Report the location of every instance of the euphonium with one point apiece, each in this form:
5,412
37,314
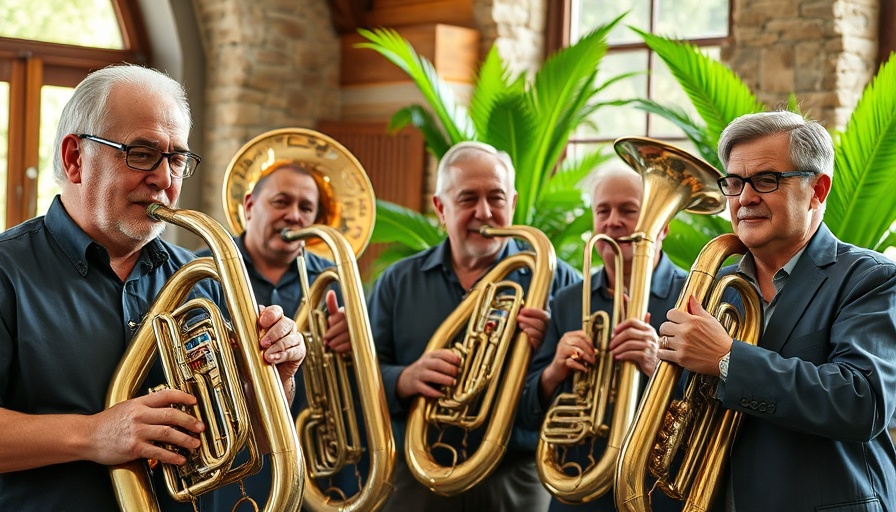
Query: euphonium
494,361
196,350
576,418
693,425
673,180
329,426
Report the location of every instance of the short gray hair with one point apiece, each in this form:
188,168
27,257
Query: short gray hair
467,150
86,111
811,147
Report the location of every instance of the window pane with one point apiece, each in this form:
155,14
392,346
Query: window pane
666,91
693,19
4,145
83,23
612,122
52,99
590,14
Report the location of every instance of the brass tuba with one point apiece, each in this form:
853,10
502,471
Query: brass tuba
693,430
195,347
673,180
494,362
329,426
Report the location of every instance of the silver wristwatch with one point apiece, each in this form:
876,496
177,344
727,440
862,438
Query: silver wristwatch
723,366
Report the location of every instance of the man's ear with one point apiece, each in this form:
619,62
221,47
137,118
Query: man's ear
71,158
248,201
440,208
820,190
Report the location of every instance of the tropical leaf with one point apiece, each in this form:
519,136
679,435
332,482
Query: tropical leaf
560,90
397,224
688,233
860,207
437,93
416,115
697,134
717,93
492,84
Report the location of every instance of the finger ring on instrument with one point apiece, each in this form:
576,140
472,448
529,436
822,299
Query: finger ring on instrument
664,342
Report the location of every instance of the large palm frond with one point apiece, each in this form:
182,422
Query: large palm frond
437,93
860,208
717,93
560,91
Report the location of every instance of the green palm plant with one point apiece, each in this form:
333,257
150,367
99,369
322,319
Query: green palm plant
859,210
531,121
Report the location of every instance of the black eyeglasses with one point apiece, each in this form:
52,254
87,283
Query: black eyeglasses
144,158
762,182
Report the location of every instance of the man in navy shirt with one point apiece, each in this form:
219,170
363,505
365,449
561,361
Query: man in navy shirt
616,206
475,187
285,196
75,286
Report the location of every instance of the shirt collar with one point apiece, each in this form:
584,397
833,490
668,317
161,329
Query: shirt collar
747,268
78,247
660,281
440,256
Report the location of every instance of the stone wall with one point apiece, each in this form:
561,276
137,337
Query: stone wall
824,51
516,27
269,64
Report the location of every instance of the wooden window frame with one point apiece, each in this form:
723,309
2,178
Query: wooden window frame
29,65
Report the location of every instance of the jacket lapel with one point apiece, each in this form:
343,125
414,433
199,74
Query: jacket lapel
808,276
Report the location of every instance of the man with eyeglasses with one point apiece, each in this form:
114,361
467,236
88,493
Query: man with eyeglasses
819,390
75,286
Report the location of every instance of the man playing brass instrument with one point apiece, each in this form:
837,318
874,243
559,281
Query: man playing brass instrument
818,391
286,196
475,187
74,287
616,206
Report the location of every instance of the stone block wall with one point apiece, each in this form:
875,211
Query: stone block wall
516,27
824,51
269,64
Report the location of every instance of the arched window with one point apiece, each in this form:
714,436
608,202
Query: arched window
46,48
703,23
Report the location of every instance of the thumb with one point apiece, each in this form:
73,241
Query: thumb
332,305
694,307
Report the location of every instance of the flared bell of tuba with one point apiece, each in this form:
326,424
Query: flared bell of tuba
673,180
197,353
330,427
494,361
692,434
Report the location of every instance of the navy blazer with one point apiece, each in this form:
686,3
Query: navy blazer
818,392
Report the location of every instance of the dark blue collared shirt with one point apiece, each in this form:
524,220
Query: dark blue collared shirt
410,301
65,321
287,293
566,307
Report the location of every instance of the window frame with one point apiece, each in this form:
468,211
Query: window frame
557,36
29,65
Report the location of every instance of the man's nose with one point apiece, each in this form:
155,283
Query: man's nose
160,177
483,209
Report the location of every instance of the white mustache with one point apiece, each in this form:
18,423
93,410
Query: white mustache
751,212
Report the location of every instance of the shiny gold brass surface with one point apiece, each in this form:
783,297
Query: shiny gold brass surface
346,195
198,359
695,425
329,425
673,180
577,418
494,361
